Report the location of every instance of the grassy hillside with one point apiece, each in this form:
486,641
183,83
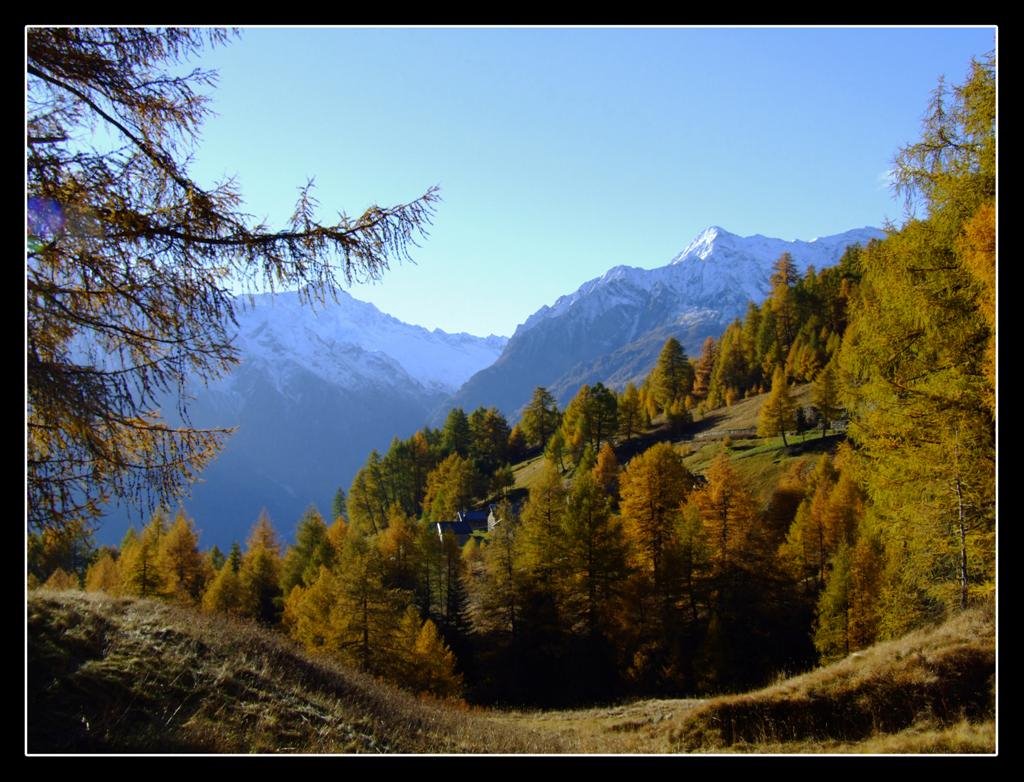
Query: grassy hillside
932,691
127,675
759,460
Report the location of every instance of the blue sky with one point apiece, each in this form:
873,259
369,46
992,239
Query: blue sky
563,152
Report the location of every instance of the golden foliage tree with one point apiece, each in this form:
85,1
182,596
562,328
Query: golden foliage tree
652,487
450,488
260,572
916,378
130,264
139,564
778,411
103,575
181,564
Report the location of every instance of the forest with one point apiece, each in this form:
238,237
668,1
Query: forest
616,570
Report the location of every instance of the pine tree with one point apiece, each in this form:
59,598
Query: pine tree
778,410
540,417
127,258
672,376
339,505
312,549
455,435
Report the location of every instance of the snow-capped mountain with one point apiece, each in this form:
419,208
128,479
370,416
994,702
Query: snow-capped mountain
349,342
613,326
317,388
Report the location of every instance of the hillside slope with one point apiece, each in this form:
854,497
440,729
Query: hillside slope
127,675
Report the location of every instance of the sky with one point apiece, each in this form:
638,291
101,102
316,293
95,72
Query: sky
561,152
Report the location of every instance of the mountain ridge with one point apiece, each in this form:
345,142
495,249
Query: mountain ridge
695,295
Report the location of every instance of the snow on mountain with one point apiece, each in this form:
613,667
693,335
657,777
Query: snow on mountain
351,342
714,265
612,326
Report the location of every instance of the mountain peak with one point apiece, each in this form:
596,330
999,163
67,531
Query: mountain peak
704,243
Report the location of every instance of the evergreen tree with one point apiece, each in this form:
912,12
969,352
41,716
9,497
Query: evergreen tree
339,506
455,435
672,376
540,417
301,563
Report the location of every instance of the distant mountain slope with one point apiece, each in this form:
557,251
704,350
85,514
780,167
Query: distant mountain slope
316,390
613,326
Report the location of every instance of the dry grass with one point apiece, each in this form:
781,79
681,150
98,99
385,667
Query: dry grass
929,691
125,675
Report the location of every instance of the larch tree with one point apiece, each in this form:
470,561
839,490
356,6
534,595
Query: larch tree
260,572
778,411
652,488
705,368
592,556
103,575
541,522
180,562
825,397
131,265
450,488
606,472
140,558
631,412
915,375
